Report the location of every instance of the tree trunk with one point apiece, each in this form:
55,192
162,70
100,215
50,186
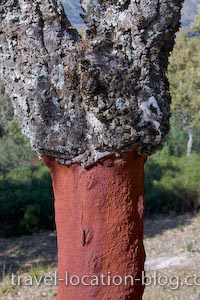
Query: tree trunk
80,99
99,219
190,141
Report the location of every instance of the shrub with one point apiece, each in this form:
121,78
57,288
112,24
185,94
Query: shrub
26,201
172,183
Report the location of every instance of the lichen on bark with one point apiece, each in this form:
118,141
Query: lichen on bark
80,98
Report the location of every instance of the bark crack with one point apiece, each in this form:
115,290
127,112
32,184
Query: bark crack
111,248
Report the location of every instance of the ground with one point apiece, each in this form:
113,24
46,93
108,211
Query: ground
173,250
173,258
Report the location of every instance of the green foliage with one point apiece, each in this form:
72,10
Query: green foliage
184,77
37,270
176,141
26,201
26,198
172,183
6,287
14,148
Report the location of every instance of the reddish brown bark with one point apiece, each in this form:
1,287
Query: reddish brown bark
99,219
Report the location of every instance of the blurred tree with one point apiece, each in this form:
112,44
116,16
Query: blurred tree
176,141
184,77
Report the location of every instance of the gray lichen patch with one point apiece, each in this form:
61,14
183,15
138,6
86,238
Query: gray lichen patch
79,99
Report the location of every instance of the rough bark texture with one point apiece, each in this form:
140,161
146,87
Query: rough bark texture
99,219
81,98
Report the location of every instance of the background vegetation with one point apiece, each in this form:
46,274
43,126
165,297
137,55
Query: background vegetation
172,175
26,201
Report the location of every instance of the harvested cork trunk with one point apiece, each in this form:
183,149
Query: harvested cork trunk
99,220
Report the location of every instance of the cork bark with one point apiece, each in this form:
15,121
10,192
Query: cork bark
81,98
99,220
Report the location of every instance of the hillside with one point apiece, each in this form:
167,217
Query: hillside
73,10
189,11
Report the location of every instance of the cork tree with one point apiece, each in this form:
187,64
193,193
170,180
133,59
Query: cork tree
94,107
